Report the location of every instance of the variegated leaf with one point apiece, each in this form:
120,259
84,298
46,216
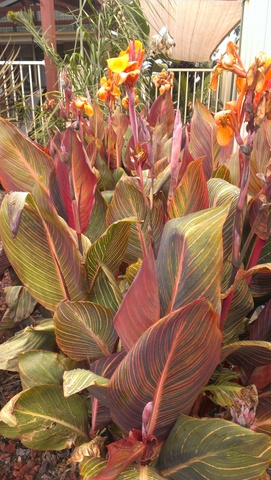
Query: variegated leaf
208,448
156,369
187,268
84,330
43,419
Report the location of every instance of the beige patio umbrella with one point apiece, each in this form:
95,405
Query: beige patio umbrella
197,26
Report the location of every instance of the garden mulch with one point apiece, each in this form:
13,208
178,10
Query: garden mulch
17,461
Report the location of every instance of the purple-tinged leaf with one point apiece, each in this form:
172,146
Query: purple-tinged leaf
263,420
260,329
186,347
191,194
175,155
140,307
260,377
105,367
203,141
162,111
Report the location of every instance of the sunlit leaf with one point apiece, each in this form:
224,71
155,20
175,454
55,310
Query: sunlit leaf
84,330
247,353
22,163
172,382
43,419
201,448
41,249
106,291
220,193
92,466
128,202
109,248
39,367
76,380
187,268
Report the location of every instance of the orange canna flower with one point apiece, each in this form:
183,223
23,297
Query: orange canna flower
163,81
108,92
82,104
230,61
224,127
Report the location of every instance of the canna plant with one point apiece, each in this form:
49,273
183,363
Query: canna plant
144,246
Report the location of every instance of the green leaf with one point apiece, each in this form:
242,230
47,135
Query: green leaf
222,393
39,367
191,194
84,330
41,249
22,163
172,383
216,449
91,466
97,224
128,202
187,268
76,380
109,248
31,338
140,307
241,304
20,303
106,291
44,420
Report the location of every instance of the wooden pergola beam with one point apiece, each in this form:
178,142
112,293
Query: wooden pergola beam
47,13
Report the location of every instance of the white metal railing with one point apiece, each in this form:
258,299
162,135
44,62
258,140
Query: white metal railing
23,85
191,84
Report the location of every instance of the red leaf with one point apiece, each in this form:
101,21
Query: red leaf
121,454
140,307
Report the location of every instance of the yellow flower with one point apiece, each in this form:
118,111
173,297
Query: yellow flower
126,67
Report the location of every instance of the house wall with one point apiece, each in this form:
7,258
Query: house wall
256,30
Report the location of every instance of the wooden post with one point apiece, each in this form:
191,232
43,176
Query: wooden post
47,14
